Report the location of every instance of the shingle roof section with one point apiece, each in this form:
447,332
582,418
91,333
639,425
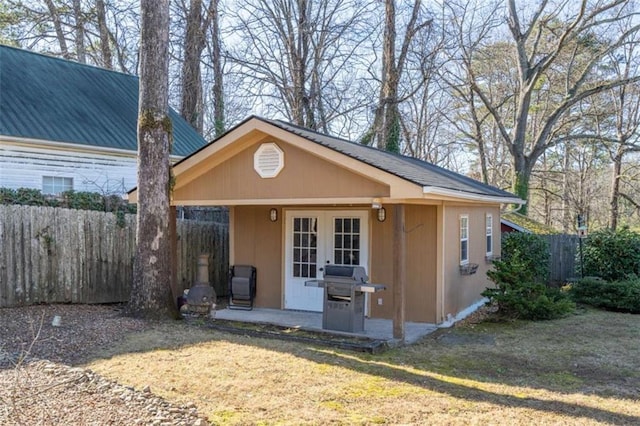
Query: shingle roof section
411,169
47,98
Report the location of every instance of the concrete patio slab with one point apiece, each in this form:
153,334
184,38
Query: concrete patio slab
379,329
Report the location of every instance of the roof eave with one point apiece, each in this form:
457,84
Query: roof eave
445,192
44,143
514,226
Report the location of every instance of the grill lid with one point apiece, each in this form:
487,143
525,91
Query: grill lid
346,272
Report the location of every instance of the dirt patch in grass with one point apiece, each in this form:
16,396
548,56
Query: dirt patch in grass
578,370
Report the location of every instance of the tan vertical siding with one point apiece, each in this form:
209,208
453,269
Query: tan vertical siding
258,242
461,291
420,226
303,176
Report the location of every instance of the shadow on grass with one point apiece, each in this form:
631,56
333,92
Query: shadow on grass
443,384
425,365
411,366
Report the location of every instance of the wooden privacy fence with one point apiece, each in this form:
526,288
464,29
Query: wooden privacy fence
53,255
564,252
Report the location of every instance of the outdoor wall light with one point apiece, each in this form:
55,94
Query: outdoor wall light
273,215
382,214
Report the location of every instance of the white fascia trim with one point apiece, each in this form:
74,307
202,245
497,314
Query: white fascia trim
43,143
433,190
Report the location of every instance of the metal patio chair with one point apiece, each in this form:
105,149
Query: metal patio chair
242,287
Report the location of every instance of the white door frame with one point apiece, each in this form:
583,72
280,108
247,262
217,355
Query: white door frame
295,294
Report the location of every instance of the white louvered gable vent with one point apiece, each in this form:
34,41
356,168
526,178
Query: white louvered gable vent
268,160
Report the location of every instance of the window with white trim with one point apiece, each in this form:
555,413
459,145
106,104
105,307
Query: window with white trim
489,233
55,185
464,239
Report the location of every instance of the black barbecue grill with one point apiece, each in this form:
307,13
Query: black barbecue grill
344,297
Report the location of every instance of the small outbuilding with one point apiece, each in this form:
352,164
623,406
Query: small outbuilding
299,200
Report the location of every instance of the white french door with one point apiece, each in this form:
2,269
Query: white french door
315,238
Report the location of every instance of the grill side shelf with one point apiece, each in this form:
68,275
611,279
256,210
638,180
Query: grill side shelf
314,283
371,288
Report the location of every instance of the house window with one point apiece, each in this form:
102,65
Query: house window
489,233
55,185
464,240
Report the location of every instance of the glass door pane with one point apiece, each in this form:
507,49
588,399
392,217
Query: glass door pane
346,241
305,247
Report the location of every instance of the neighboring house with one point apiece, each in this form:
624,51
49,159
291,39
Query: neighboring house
516,222
65,125
299,200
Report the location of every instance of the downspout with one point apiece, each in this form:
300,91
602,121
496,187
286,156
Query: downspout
516,210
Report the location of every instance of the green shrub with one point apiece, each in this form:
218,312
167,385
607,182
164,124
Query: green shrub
610,255
82,200
529,252
24,197
521,291
622,296
517,297
68,199
6,196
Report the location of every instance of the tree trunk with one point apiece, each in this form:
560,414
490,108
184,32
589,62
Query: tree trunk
79,18
302,114
522,169
151,291
386,124
105,38
482,155
194,43
615,190
386,113
566,191
216,57
57,25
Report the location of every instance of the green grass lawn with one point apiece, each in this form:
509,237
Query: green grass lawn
579,370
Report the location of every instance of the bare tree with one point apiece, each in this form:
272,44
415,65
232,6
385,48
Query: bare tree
298,58
78,14
424,105
385,132
57,25
197,26
151,294
87,31
468,26
624,139
216,61
104,34
557,51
